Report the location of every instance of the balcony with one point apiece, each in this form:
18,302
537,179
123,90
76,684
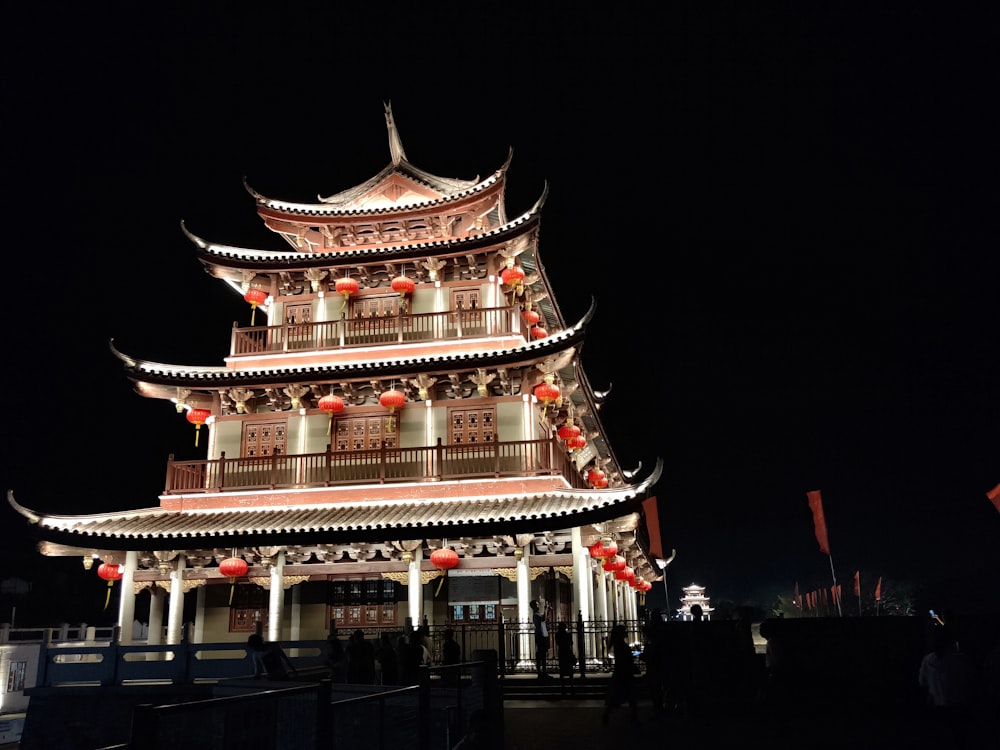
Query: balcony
359,332
519,458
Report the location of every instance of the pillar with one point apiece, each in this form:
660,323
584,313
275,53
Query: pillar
175,615
276,602
581,576
414,586
126,605
199,614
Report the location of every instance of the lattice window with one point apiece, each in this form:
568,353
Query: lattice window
15,676
472,426
264,438
365,433
375,306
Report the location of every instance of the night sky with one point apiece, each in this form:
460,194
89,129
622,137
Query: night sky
785,216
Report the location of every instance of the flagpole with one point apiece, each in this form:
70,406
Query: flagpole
840,612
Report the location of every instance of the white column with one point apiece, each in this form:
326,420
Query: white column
277,599
523,597
581,576
156,596
199,614
414,588
126,605
154,636
295,616
175,615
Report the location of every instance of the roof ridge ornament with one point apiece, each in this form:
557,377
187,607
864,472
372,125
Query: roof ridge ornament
395,143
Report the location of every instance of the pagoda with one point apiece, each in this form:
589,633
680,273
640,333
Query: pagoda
695,594
402,434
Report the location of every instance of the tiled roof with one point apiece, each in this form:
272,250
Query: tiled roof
215,376
227,255
375,520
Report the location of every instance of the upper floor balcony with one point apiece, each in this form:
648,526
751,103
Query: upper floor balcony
502,324
544,457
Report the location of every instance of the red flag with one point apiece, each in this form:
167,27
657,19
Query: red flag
835,594
819,521
878,589
994,496
857,583
652,512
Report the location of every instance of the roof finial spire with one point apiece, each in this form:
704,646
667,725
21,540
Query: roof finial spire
395,144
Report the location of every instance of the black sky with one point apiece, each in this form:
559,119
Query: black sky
785,217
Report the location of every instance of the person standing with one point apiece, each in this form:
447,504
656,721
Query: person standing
622,687
269,660
541,632
566,657
360,659
451,656
388,660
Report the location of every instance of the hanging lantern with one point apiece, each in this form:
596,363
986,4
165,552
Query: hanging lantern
603,549
233,568
443,559
110,573
198,417
576,443
403,285
538,332
512,276
625,574
595,477
531,317
569,430
392,400
255,297
547,392
614,564
331,404
346,286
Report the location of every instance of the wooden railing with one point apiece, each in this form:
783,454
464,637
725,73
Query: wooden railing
398,329
519,458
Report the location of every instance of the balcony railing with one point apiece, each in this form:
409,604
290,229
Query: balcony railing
518,458
398,329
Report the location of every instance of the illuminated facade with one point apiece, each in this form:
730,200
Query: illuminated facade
407,384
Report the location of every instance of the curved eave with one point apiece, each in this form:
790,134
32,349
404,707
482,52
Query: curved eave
227,257
451,190
160,373
370,521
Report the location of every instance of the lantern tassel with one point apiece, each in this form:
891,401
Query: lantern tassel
107,597
197,431
440,583
253,313
232,588
329,424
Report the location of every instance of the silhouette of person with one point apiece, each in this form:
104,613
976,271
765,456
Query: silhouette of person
541,632
269,660
388,660
360,659
336,656
622,687
567,659
654,656
947,681
451,654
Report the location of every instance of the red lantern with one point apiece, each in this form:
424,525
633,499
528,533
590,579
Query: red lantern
569,430
539,333
614,564
403,285
255,297
198,417
331,404
576,443
547,393
531,317
346,286
512,276
110,573
443,559
601,484
233,568
625,574
595,476
392,400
